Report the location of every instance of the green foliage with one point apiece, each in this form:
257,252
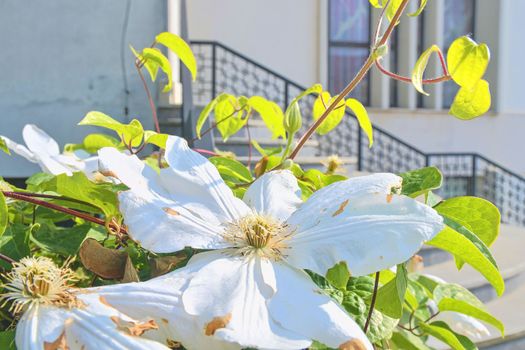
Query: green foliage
362,117
391,296
293,120
440,331
321,104
7,340
419,68
271,114
459,245
3,146
467,63
422,5
130,134
471,102
230,168
421,181
178,46
14,243
338,275
155,59
3,214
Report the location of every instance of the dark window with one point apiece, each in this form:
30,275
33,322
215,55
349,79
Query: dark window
459,21
348,45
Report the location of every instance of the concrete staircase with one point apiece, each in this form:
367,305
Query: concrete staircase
510,307
171,122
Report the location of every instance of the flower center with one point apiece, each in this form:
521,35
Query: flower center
257,233
38,280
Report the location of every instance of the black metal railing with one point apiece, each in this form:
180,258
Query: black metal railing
222,69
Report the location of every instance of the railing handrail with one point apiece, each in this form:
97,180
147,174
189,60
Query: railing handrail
413,148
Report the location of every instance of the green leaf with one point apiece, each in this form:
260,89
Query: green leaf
7,340
471,102
377,3
152,137
3,214
271,114
15,243
448,304
178,46
407,341
419,68
445,335
422,4
205,113
472,216
293,119
392,8
129,133
333,119
466,342
461,246
314,89
467,61
152,66
231,167
152,54
362,117
78,186
65,241
420,181
338,275
230,116
93,142
391,296
3,146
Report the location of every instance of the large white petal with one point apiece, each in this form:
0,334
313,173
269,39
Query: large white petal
275,193
38,141
229,296
52,165
19,149
194,181
39,325
160,299
299,305
93,326
329,199
371,233
154,219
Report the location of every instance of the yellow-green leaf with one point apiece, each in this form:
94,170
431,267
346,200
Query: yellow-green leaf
459,245
181,49
471,102
161,61
422,4
419,68
392,8
362,117
377,3
448,304
129,133
322,102
3,213
467,61
151,66
3,146
155,138
271,114
228,118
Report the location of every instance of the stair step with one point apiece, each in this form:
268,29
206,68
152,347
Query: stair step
508,252
510,309
305,160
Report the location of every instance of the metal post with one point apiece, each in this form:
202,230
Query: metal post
213,71
474,174
359,149
286,97
427,160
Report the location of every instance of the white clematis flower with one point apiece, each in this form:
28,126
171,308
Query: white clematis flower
44,150
253,291
58,317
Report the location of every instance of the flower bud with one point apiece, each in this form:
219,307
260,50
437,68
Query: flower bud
293,119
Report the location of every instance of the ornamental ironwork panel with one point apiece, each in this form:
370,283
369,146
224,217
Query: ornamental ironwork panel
221,69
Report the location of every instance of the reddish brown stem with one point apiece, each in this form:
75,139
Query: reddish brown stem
350,87
150,99
62,209
7,259
407,79
372,303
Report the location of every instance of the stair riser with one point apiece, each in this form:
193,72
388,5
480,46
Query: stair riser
243,149
487,293
433,256
515,343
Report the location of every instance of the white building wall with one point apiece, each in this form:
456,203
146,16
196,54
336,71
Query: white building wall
61,59
281,34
